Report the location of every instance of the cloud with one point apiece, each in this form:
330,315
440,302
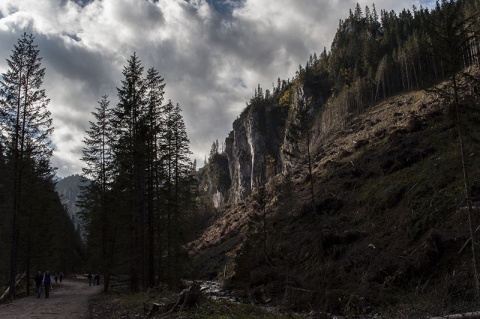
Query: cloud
211,53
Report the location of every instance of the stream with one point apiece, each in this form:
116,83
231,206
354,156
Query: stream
215,291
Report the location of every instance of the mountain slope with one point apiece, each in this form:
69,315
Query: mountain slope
390,219
344,189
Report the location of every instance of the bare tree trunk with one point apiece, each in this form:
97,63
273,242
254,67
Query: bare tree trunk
466,185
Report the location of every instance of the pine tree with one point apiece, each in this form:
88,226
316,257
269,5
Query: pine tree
5,208
130,151
176,164
299,136
155,92
26,122
99,172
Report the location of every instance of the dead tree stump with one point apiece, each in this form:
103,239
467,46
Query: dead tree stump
187,299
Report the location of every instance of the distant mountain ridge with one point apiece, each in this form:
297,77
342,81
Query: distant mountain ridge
68,189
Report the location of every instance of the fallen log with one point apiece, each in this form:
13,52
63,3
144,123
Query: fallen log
5,294
17,282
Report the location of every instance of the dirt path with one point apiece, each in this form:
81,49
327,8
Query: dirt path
68,299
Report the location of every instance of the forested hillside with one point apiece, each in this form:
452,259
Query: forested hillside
373,56
352,186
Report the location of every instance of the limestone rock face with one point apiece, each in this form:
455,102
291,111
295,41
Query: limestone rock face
254,149
245,149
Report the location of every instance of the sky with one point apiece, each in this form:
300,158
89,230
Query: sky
212,55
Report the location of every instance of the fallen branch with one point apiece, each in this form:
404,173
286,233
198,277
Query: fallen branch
465,245
302,289
468,241
467,315
17,282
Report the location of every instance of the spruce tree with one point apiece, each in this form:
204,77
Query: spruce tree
99,172
26,123
155,91
176,165
299,135
130,151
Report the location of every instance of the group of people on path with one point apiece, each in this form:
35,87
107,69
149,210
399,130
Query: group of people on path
45,280
93,280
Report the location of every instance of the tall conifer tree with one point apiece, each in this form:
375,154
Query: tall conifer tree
175,162
99,172
155,92
27,123
130,152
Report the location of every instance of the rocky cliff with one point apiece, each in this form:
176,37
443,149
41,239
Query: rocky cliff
68,189
252,148
256,149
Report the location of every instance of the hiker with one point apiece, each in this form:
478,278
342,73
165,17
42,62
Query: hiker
61,276
38,283
89,278
47,282
56,277
97,278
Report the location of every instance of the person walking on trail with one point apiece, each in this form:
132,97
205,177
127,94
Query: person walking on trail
90,278
56,277
47,282
97,278
61,276
38,283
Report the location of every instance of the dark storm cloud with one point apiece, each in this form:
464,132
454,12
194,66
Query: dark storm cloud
75,79
78,63
81,3
226,6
